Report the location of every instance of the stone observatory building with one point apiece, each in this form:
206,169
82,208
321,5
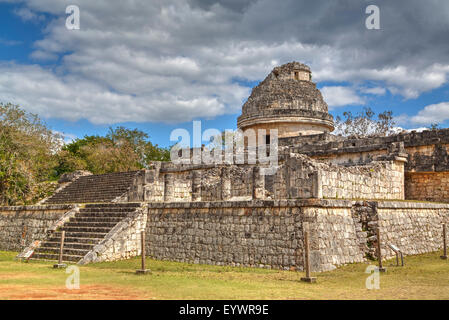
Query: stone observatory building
289,101
341,190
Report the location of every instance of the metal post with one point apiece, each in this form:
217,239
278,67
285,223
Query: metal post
61,249
379,252
307,278
144,270
444,256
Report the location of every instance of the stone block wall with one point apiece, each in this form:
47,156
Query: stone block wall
413,227
20,226
122,242
378,180
334,240
296,177
270,234
266,234
427,186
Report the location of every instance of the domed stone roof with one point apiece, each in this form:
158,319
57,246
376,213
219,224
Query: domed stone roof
288,100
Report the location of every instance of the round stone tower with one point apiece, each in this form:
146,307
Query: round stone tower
289,101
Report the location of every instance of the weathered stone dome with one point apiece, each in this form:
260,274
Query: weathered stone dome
289,101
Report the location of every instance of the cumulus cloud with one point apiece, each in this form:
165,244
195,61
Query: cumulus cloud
9,43
27,15
431,114
378,91
339,96
434,113
177,60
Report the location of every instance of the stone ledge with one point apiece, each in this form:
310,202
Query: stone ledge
39,208
386,204
253,204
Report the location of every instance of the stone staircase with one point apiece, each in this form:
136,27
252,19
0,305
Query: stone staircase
94,188
83,231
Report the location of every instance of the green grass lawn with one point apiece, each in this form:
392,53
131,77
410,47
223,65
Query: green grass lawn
423,277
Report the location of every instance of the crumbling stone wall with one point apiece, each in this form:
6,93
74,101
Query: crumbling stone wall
270,234
427,151
20,226
379,180
296,176
334,239
266,234
427,186
414,227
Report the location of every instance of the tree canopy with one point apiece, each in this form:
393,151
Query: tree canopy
31,154
364,124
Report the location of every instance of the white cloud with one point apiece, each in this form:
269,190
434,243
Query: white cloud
339,96
27,15
402,80
434,113
66,137
378,91
177,60
9,43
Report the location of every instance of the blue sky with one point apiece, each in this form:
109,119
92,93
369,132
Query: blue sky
156,67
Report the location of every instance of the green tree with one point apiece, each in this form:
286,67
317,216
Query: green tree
364,124
27,154
121,149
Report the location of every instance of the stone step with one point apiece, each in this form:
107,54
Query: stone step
86,229
103,191
106,210
73,245
80,234
85,196
102,215
85,240
95,188
112,205
90,219
77,224
65,251
76,229
52,257
88,195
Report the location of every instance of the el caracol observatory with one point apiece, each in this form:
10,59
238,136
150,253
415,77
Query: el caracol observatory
289,101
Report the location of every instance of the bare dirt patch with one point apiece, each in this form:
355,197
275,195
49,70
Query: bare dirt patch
86,292
15,276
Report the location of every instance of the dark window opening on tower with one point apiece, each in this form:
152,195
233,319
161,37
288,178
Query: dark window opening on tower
267,142
296,75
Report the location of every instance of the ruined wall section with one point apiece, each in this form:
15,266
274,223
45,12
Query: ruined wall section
427,186
427,151
265,234
296,176
334,238
21,226
414,227
379,180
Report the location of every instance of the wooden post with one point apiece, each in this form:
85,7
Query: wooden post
144,270
307,278
379,252
61,249
444,256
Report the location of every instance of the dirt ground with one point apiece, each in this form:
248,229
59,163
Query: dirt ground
86,292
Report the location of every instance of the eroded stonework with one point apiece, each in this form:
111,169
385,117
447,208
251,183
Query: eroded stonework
289,101
340,190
